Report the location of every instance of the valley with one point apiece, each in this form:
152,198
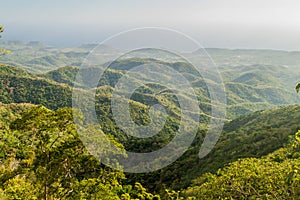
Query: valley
41,150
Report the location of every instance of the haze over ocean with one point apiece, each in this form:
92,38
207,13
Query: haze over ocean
214,23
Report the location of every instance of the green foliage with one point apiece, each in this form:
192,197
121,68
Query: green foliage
64,75
138,192
45,159
3,51
18,86
252,135
254,178
19,188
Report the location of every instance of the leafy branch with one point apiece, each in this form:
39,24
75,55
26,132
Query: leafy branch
297,87
3,51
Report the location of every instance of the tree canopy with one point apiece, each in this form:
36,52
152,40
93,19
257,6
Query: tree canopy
3,51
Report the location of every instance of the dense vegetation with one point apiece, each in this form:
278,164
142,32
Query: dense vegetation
245,93
253,135
18,86
275,176
42,157
255,79
3,51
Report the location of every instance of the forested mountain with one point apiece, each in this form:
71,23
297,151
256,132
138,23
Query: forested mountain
42,156
37,57
253,88
254,79
275,176
30,134
252,135
18,86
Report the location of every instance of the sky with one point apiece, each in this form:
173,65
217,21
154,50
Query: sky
255,24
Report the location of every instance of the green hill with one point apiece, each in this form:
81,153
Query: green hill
255,79
250,136
64,75
248,87
275,176
246,93
18,86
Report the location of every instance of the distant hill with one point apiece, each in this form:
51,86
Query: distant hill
64,75
18,86
233,57
255,79
37,57
257,88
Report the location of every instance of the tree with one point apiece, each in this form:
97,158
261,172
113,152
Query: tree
1,29
3,51
44,158
297,87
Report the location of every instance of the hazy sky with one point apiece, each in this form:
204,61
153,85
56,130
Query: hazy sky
272,24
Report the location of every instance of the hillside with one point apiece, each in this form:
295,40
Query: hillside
249,87
256,89
18,86
37,57
275,176
267,77
64,75
250,136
